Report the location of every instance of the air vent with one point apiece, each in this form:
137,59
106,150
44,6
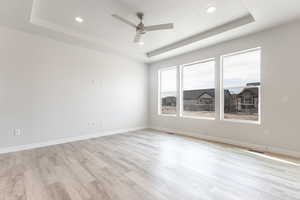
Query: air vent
255,151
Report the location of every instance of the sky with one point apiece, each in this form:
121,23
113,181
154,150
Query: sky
199,76
238,71
241,69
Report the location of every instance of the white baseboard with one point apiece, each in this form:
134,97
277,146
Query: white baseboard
281,151
257,147
66,140
261,148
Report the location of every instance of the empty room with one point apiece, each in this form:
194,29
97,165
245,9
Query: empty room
149,100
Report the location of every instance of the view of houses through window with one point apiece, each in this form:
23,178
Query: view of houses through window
240,85
199,89
168,91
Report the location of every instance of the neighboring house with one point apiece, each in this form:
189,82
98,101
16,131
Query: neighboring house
169,101
204,100
247,100
199,100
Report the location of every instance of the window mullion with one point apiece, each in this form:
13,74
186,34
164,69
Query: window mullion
218,88
179,99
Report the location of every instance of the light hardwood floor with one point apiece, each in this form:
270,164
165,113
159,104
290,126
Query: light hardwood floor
145,165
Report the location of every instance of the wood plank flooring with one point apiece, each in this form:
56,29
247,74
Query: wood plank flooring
144,165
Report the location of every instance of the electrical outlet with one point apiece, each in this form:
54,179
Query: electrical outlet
17,132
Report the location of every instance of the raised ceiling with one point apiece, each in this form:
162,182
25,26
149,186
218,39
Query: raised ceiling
100,31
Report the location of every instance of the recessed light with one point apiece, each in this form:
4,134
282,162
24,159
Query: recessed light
211,9
79,19
141,43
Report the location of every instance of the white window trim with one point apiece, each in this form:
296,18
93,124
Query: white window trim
159,92
240,52
222,89
219,90
181,115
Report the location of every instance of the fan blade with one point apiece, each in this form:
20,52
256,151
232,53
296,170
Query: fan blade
138,38
159,27
124,20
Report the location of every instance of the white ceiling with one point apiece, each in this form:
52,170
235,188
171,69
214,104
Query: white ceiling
100,31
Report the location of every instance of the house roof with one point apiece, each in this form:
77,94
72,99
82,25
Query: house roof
196,94
170,97
253,91
253,84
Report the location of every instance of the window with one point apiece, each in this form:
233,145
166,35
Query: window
195,83
198,89
168,91
241,85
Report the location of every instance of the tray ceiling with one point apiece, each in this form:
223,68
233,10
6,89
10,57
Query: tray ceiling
100,31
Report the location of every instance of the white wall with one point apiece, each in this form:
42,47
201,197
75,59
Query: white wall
51,90
279,130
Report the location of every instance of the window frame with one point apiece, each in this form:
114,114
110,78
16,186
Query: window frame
219,89
159,91
222,118
181,102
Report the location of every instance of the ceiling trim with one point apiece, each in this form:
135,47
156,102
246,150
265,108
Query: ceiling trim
203,35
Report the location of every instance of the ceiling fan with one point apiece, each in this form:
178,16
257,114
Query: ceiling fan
141,29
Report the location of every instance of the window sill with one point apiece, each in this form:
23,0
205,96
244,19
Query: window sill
242,121
166,115
203,118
